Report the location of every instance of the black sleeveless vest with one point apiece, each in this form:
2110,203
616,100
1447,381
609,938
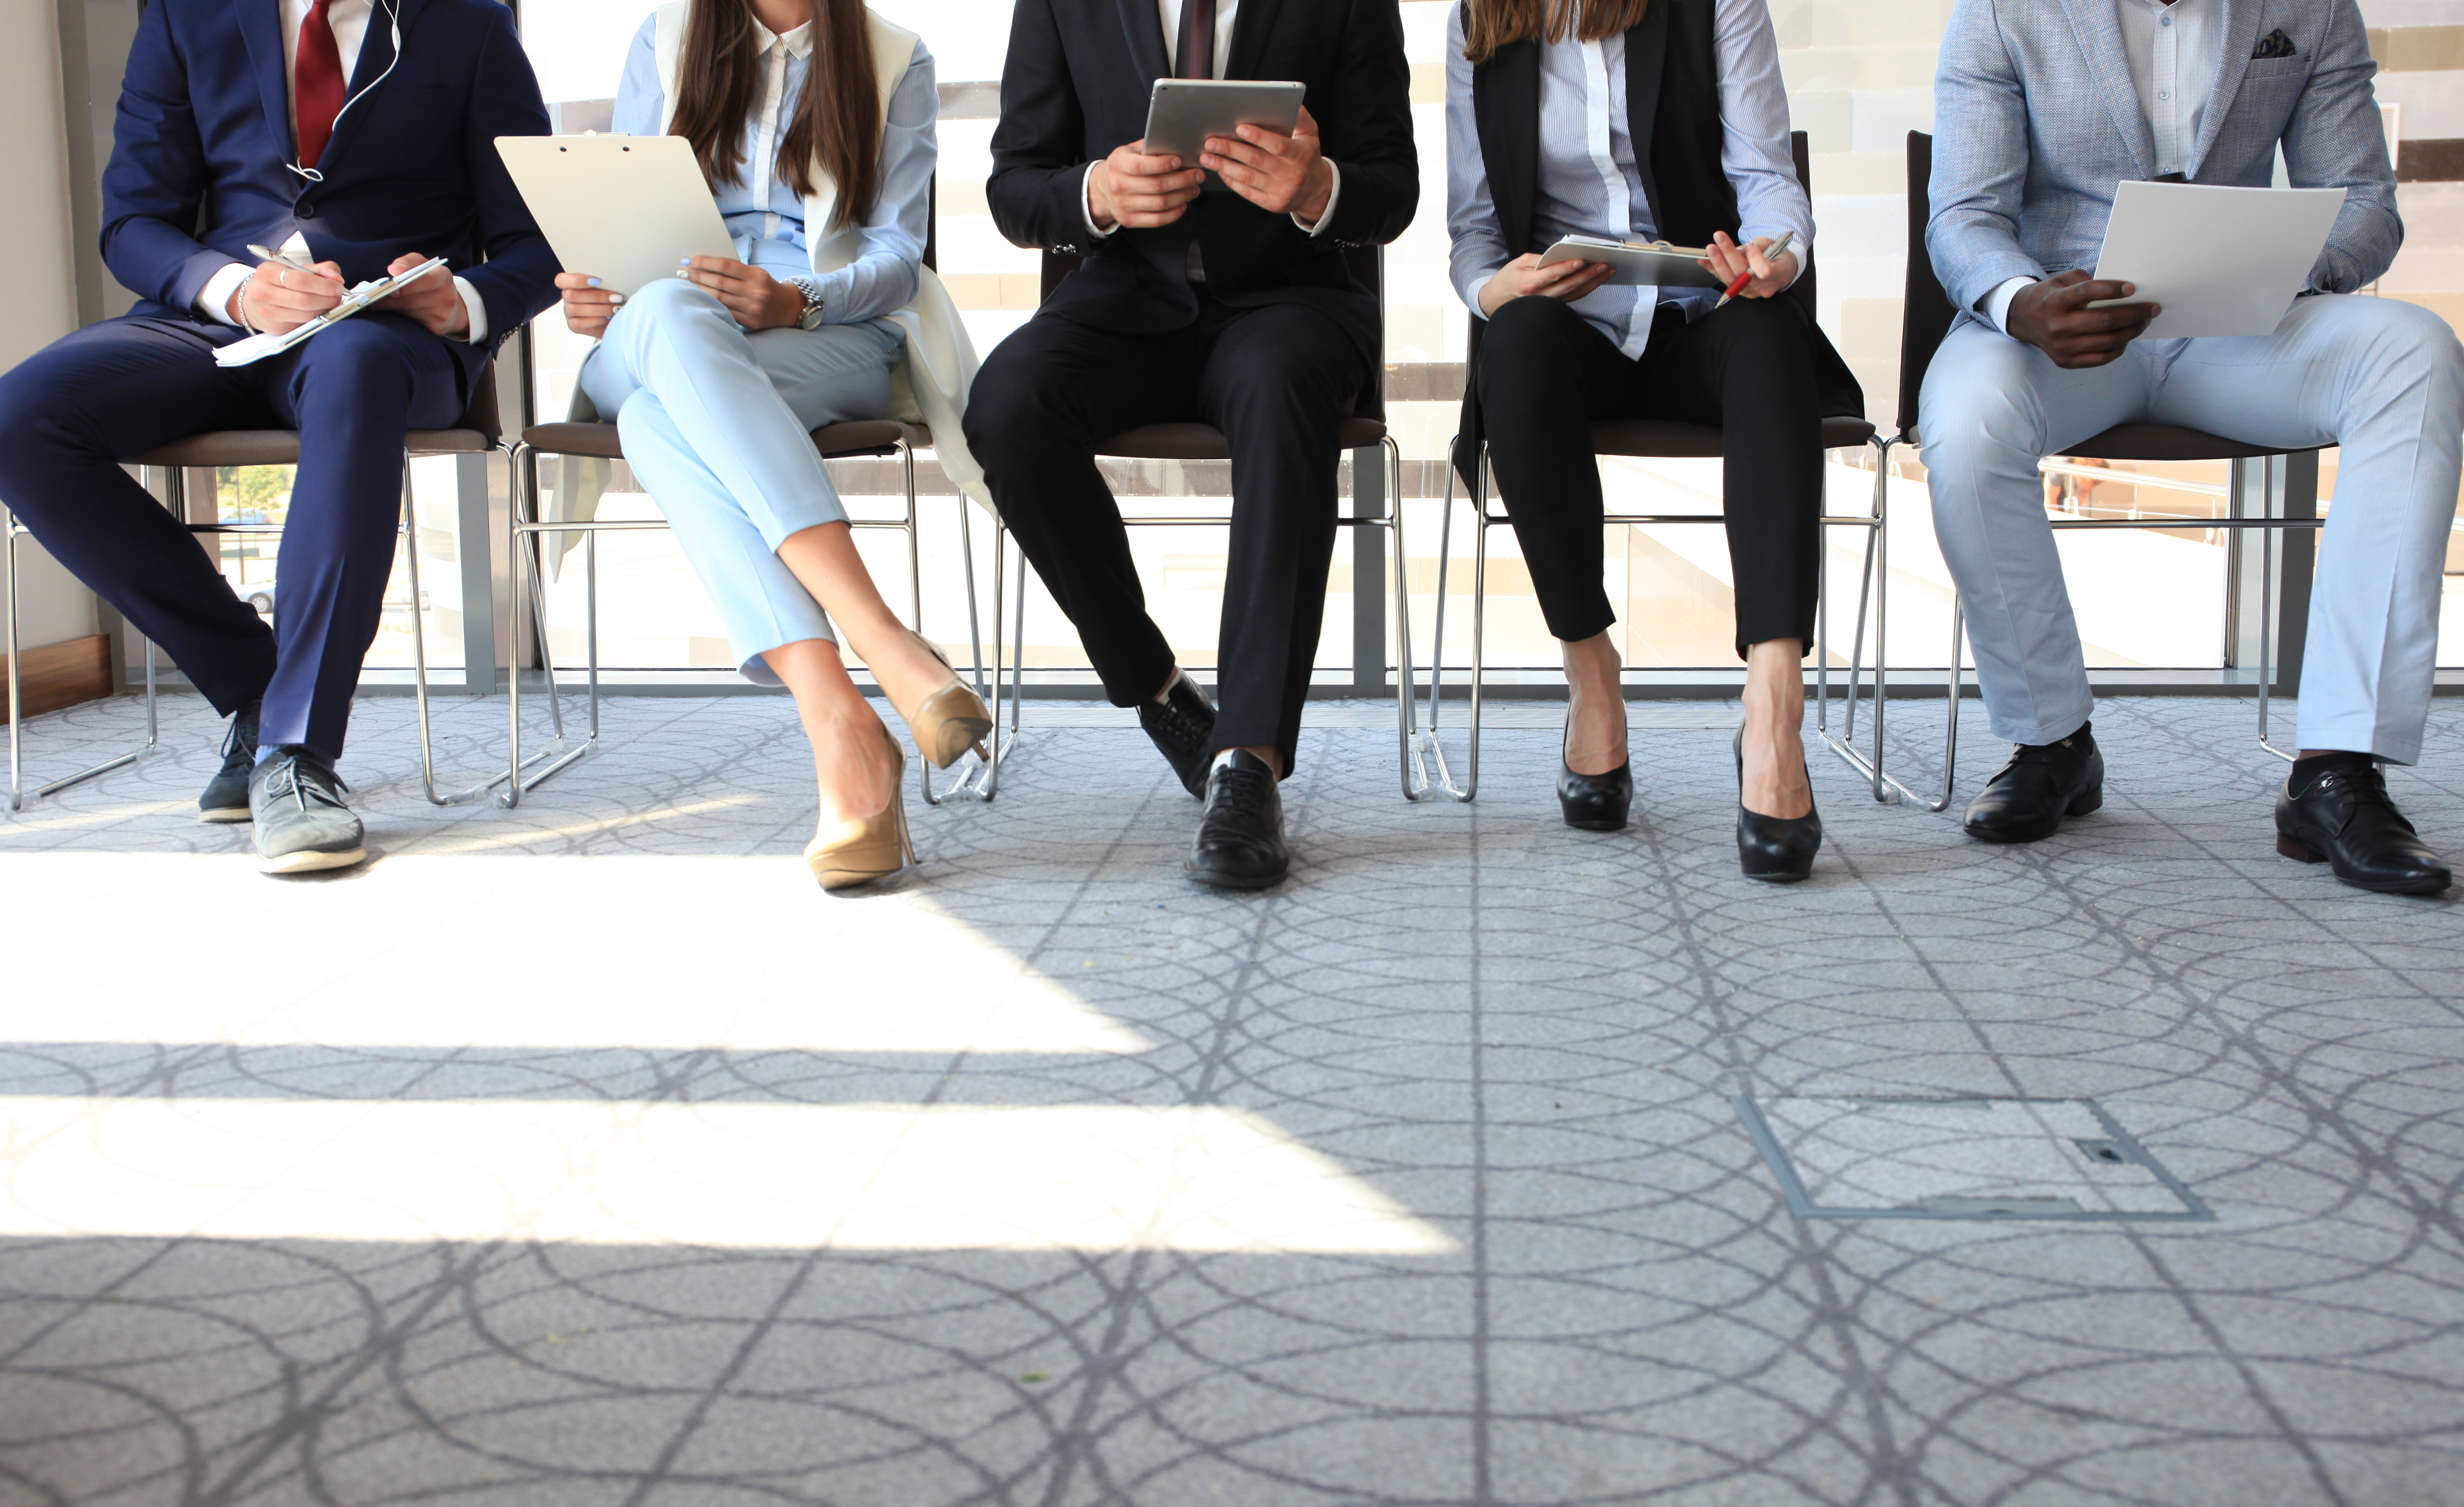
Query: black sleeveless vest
1672,98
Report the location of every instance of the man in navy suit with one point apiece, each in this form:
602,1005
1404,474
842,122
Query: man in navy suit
357,138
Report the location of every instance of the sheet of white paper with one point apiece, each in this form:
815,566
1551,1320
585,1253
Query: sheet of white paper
367,295
2222,261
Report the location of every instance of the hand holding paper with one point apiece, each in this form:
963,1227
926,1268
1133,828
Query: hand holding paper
2220,261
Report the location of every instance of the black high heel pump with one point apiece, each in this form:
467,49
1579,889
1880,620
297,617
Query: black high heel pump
1778,850
1593,803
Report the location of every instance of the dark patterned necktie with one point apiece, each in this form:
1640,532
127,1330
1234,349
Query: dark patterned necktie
1196,56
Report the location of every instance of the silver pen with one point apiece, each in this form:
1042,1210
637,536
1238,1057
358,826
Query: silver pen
264,254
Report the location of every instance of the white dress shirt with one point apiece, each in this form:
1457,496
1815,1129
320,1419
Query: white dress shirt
1590,183
2173,47
349,19
1169,12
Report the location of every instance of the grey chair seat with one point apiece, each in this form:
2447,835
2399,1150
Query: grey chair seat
1204,442
1667,438
857,437
282,446
2164,442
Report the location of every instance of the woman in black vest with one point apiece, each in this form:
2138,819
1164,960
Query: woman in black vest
1645,120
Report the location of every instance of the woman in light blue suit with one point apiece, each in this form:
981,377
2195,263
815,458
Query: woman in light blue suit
813,121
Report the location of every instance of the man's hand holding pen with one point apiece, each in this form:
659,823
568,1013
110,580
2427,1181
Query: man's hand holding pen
280,296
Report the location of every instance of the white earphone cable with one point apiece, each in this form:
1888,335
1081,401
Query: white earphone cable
393,18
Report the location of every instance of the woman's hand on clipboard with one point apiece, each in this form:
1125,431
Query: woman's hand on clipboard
1523,277
587,306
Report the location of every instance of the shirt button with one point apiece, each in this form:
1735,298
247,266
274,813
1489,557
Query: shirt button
2164,94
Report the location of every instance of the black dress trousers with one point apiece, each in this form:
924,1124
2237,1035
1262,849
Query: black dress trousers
1278,381
1546,374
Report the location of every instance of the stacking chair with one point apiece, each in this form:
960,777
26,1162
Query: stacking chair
1365,429
1427,776
479,433
2290,495
868,437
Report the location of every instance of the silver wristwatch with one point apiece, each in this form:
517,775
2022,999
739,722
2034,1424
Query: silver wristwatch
811,289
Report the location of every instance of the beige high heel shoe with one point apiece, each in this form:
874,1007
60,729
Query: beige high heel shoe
952,720
871,847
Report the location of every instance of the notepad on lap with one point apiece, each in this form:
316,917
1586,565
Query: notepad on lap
366,296
2221,261
625,210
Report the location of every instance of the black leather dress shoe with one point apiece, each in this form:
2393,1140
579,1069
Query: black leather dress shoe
1182,725
2043,783
226,797
1777,850
2344,818
1239,841
1594,802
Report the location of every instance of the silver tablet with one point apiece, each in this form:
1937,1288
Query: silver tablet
1182,113
1645,264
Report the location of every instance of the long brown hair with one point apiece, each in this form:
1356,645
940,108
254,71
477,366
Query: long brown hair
1491,24
838,121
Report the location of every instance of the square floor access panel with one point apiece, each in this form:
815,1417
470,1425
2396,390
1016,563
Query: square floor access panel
1962,1159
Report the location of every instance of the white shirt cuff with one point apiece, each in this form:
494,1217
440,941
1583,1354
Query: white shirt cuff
1997,303
1087,204
478,311
213,300
1333,197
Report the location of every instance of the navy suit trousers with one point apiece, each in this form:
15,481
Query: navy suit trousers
77,408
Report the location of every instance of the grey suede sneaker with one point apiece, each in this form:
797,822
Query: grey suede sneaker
226,797
296,800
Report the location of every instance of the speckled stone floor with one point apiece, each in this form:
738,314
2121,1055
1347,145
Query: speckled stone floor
586,1154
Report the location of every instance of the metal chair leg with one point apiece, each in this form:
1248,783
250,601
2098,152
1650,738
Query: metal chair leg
1428,778
1874,584
419,663
970,783
11,531
525,534
2267,614
1402,606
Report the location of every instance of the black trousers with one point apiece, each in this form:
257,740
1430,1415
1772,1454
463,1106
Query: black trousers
77,408
1279,381
1546,374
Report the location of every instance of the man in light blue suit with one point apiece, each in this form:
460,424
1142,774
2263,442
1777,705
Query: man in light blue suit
2042,108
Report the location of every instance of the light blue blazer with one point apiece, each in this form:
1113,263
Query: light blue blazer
2037,119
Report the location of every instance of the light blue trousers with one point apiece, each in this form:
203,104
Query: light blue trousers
717,423
2382,378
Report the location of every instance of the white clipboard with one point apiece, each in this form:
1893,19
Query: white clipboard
1639,264
368,295
625,210
2222,261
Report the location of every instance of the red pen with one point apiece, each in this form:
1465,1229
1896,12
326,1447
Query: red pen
1735,287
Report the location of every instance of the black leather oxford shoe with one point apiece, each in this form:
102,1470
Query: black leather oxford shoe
2342,816
2043,783
1239,841
1182,725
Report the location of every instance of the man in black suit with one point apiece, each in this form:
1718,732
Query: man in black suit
1235,308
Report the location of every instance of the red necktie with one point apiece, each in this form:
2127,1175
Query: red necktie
316,83
1196,55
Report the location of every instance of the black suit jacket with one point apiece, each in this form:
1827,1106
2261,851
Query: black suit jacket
1075,87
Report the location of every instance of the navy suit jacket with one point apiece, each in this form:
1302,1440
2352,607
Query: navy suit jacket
201,154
